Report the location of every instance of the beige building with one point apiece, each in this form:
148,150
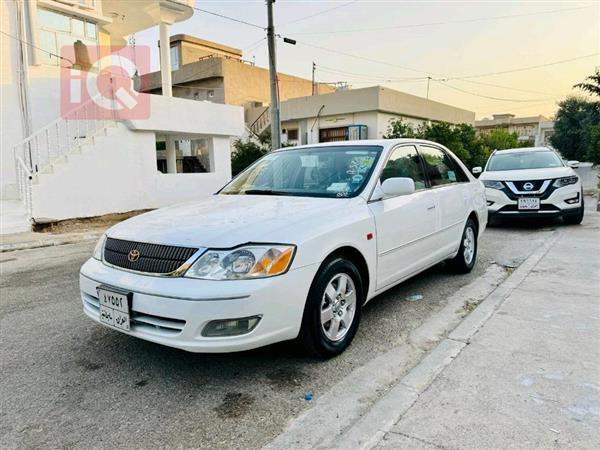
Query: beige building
205,70
360,114
531,131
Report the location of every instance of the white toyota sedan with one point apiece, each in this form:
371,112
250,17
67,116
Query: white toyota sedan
532,182
292,248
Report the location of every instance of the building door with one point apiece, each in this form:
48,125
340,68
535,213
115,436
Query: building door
333,134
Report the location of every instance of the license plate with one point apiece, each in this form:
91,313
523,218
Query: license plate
529,203
114,308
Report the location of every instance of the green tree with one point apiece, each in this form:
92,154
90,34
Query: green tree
575,120
462,139
500,139
593,85
245,153
593,152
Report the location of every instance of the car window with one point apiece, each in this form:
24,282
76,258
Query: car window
524,160
332,171
440,167
405,162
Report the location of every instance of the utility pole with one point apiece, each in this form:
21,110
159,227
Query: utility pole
275,122
428,80
314,67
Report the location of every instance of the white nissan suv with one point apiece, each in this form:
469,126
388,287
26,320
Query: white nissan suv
532,182
291,248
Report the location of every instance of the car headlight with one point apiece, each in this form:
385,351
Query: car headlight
252,261
493,184
99,248
562,182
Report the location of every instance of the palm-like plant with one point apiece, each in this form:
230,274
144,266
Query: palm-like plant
593,86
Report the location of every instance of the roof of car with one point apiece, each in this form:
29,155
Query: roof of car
525,149
385,143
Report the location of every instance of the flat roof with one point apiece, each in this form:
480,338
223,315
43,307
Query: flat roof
374,98
204,43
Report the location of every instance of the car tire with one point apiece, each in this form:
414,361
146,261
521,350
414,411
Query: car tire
575,219
324,331
465,259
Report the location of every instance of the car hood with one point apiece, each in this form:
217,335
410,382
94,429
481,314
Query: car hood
527,174
224,221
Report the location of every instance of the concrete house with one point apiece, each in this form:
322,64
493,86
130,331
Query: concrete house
531,131
360,114
59,164
206,70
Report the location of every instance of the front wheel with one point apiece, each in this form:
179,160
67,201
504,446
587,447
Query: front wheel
333,308
577,218
464,261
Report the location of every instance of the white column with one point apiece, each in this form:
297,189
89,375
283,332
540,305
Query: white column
219,151
167,89
171,155
165,60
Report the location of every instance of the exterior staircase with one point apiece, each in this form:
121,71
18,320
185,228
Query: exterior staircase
191,164
45,152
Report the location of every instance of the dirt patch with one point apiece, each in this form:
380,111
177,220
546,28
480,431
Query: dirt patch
84,223
285,378
234,405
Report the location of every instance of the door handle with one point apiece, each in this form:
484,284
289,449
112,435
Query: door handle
429,208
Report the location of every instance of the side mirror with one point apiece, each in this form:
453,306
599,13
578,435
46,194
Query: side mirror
393,187
573,164
476,170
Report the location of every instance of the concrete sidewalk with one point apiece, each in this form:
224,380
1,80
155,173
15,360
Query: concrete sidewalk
528,378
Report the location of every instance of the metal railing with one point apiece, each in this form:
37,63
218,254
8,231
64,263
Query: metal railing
39,151
261,122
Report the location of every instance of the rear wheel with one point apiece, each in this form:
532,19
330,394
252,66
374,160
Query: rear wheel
333,308
465,259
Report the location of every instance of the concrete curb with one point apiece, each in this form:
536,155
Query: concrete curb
49,242
387,411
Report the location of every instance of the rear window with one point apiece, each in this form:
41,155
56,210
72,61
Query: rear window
523,161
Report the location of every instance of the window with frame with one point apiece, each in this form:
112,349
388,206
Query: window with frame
404,162
58,30
441,168
292,135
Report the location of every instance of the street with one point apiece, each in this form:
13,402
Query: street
68,382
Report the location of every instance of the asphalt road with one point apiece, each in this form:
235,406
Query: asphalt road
68,382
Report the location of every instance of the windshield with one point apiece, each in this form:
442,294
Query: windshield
524,160
341,172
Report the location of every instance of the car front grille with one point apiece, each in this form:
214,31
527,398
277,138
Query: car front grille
520,185
145,257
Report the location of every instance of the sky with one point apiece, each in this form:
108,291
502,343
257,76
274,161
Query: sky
398,44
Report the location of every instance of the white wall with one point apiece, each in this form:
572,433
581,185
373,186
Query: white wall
119,174
10,110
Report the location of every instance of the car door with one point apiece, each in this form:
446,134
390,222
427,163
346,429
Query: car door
450,185
406,224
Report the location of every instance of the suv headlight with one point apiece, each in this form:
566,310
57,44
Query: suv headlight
99,248
562,182
493,184
252,261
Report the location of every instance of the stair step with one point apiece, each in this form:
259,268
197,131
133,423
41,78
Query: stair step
13,217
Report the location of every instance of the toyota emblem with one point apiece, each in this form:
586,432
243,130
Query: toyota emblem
528,186
133,255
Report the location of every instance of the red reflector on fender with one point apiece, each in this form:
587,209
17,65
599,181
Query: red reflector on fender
369,236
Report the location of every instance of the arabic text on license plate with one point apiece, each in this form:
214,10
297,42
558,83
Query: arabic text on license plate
114,309
529,203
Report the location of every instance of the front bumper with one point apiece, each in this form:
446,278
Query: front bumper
174,311
555,205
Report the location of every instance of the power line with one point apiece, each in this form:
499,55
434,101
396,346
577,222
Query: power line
444,82
428,24
367,76
233,19
319,13
37,48
521,69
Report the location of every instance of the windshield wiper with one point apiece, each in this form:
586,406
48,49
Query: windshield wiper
264,192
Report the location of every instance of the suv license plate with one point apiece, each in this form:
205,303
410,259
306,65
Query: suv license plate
114,308
529,203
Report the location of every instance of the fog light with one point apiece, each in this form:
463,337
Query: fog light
230,327
573,200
